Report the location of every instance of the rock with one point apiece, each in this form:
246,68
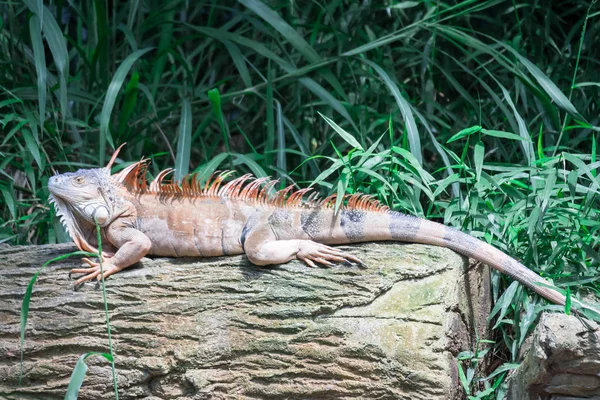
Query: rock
563,361
222,328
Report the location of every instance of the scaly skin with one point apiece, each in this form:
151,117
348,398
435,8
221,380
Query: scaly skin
241,218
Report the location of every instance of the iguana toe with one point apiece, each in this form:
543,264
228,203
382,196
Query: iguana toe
312,252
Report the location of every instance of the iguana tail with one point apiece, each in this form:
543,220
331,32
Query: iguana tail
366,226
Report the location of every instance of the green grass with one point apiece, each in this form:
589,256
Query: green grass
479,114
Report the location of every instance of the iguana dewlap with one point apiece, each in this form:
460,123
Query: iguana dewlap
241,217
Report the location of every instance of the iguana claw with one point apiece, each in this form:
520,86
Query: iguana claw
93,271
312,252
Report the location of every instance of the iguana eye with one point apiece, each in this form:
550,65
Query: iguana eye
79,179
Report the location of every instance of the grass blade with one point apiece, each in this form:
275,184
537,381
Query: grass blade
526,144
281,144
261,49
546,83
8,193
503,303
502,134
284,28
345,135
478,158
184,142
239,61
33,147
464,133
40,65
58,48
215,100
111,98
324,95
414,140
295,39
79,372
270,142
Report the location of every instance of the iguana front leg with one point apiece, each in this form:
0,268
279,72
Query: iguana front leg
262,248
132,245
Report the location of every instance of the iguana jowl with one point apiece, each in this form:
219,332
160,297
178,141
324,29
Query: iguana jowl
139,219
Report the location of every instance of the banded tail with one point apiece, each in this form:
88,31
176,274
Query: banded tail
367,226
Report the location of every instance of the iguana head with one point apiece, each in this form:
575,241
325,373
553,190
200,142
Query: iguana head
83,197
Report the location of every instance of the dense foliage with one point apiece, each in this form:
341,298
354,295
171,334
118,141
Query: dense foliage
480,114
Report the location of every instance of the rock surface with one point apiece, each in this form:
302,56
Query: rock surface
222,328
563,362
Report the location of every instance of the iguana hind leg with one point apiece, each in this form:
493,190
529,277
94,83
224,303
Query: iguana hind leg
262,248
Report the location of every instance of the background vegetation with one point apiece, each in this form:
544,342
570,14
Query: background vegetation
479,114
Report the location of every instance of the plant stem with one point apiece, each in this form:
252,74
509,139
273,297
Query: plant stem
110,346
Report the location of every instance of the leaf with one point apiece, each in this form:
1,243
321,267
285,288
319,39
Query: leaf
250,163
412,160
478,158
341,190
129,102
33,147
502,134
295,39
324,95
337,164
549,186
261,49
238,61
211,166
405,4
281,147
300,141
527,318
526,144
503,303
465,132
572,182
503,368
463,379
583,84
581,166
444,183
184,141
414,139
377,176
111,98
8,102
39,57
284,28
270,119
549,87
9,199
79,372
345,135
58,48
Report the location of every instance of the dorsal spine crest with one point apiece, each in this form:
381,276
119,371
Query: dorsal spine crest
246,187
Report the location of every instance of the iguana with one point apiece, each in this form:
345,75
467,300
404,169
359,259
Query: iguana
138,218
